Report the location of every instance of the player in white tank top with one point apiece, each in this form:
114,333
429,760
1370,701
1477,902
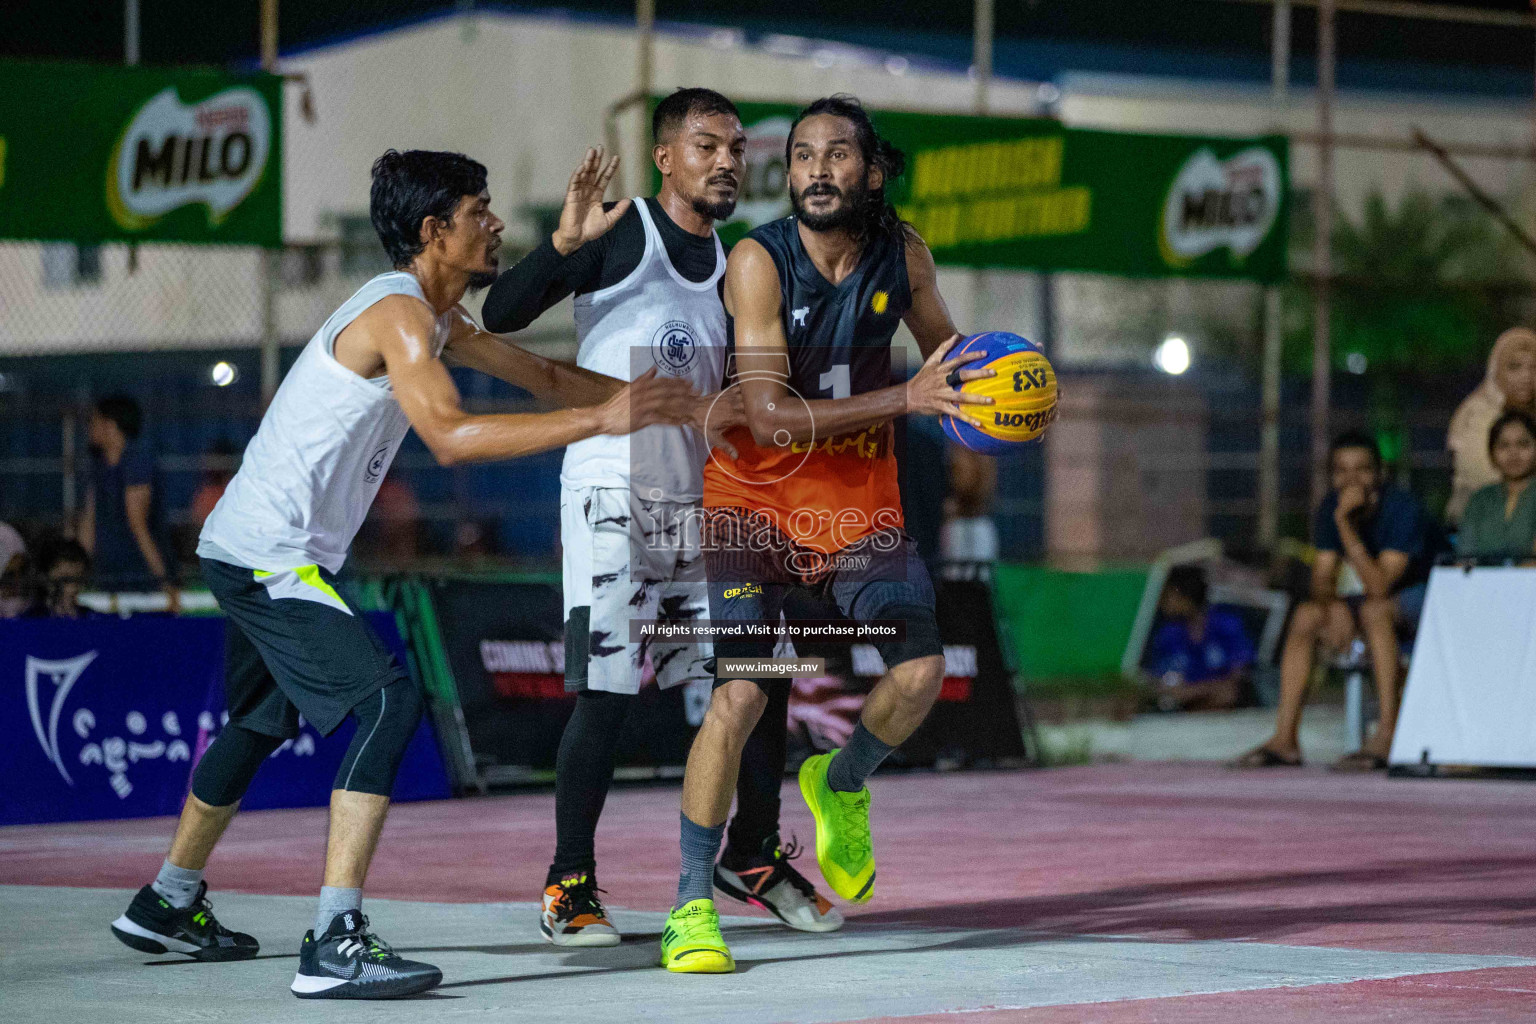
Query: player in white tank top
312,470
655,317
374,370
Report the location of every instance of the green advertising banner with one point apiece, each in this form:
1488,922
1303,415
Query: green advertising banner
91,154
1032,194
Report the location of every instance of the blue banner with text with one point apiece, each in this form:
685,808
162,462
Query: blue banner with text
105,718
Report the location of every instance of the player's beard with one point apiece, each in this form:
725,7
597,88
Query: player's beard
481,279
847,215
714,209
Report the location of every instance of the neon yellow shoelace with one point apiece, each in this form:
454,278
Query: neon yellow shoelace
853,823
695,923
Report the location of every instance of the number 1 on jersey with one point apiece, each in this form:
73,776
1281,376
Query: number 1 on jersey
837,379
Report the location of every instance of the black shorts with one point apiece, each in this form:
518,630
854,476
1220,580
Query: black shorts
753,566
294,646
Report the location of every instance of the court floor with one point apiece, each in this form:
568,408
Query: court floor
1119,893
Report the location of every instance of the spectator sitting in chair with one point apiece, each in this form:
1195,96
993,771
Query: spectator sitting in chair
64,567
1500,520
1378,531
1200,656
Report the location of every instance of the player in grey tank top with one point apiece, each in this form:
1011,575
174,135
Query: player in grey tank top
296,646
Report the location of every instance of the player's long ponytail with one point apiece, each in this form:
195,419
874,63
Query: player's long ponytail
879,217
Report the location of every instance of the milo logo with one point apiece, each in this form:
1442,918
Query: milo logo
1216,204
172,155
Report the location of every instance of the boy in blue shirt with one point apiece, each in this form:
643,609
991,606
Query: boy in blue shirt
1199,655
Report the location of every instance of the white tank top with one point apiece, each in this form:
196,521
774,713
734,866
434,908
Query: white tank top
318,458
654,317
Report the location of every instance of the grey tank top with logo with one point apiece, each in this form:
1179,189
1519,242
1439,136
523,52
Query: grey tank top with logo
311,472
654,317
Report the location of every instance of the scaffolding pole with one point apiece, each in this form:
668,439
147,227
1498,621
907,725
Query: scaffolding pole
1322,253
271,351
131,32
645,73
1269,437
981,70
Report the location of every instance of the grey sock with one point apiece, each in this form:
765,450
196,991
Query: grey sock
856,761
177,886
335,901
700,848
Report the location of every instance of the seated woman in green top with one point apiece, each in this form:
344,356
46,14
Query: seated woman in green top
1500,520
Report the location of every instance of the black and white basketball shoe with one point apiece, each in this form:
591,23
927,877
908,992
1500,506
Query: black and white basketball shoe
350,962
152,925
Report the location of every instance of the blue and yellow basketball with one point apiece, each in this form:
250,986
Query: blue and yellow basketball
1024,391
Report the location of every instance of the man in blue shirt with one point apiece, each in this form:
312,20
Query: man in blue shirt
1379,532
121,526
1199,655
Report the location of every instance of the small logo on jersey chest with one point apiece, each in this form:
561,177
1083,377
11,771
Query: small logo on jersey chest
674,348
799,315
879,302
376,461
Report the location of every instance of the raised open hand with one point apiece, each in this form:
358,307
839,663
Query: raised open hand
583,218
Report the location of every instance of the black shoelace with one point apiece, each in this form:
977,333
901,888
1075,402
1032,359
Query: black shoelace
580,898
788,852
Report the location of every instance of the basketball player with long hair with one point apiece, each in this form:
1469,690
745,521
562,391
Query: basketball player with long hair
811,499
270,549
646,275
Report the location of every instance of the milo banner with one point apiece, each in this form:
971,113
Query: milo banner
92,154
1032,194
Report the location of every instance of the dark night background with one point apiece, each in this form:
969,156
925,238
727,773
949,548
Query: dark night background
1035,37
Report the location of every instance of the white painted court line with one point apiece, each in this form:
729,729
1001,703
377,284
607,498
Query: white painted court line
59,963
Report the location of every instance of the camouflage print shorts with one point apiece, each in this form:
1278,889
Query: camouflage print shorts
627,558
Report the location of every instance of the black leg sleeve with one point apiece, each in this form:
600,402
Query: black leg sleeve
230,763
761,776
583,773
386,721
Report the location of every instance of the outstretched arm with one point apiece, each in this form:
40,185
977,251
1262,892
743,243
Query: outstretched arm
561,384
753,298
567,385
400,329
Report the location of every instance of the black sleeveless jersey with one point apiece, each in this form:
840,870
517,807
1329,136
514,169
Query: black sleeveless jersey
828,493
839,335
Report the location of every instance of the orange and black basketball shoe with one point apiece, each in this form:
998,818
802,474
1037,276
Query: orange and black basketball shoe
573,915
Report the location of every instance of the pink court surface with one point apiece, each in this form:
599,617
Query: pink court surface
1121,893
